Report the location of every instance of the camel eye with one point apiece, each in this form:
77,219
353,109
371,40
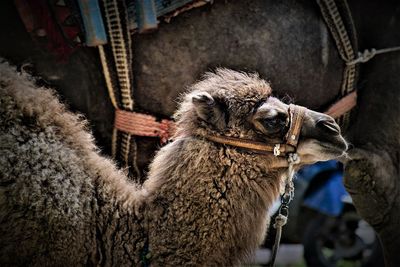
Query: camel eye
270,122
274,124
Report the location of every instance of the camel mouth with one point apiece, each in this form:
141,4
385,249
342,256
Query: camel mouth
334,149
321,150
337,144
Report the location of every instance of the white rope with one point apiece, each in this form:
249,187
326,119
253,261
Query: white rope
370,53
107,77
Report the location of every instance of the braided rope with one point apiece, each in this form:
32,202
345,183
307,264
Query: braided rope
133,149
111,94
125,147
120,51
334,21
114,142
107,77
117,41
121,42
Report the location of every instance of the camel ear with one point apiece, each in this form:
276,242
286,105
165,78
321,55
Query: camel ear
209,110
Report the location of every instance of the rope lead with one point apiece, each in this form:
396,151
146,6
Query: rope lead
286,198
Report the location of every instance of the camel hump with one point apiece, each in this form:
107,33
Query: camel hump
43,185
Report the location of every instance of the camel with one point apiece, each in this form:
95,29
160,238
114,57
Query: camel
284,41
203,203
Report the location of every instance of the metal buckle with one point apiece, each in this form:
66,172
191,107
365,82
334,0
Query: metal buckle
277,150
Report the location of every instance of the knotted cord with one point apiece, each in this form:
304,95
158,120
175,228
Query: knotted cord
370,53
338,18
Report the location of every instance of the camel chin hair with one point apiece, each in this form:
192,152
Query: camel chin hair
203,204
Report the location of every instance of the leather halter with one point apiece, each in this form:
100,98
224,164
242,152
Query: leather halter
296,118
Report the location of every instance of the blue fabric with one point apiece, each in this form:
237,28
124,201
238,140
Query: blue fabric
95,33
308,172
328,198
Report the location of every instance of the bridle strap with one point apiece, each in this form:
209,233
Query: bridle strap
296,118
250,145
296,114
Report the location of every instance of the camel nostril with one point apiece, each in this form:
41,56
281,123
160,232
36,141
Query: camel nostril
328,125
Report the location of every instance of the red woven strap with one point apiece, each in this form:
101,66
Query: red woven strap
343,105
143,125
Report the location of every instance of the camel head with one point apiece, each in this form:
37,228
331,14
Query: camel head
235,104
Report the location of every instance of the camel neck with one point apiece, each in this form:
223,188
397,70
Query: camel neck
201,194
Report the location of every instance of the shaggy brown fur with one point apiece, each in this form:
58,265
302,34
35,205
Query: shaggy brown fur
61,203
